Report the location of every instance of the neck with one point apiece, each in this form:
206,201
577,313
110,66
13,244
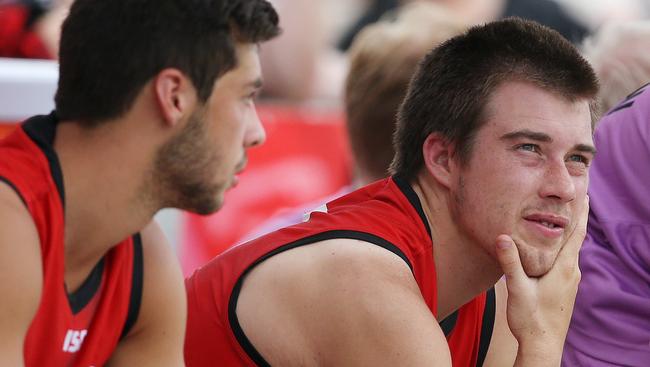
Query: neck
463,268
103,172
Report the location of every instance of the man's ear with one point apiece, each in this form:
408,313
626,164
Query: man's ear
175,95
438,158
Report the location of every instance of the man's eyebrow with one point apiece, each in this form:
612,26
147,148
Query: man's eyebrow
585,148
537,136
528,134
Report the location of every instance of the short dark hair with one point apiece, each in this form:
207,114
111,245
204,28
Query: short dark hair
111,48
453,84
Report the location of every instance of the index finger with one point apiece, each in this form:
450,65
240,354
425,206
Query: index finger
510,262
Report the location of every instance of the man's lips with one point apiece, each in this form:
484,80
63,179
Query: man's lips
548,224
241,165
548,219
238,169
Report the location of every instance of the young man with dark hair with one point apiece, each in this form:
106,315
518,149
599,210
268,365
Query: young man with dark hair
154,109
493,144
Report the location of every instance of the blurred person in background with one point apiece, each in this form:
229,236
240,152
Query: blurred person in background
611,319
382,60
493,143
302,66
546,12
619,54
597,13
154,108
31,28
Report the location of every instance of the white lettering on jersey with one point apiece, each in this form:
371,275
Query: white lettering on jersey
73,340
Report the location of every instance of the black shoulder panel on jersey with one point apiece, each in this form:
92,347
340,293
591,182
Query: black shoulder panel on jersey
447,325
489,314
413,198
42,129
136,286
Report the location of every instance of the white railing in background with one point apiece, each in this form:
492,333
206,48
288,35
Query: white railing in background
27,87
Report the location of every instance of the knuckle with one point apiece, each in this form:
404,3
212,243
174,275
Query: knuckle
509,261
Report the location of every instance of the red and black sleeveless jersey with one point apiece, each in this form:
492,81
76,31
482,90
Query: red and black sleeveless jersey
84,327
388,214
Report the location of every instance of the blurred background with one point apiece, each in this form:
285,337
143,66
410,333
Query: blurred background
308,156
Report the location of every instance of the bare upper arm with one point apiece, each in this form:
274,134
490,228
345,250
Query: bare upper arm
339,302
156,338
503,345
21,275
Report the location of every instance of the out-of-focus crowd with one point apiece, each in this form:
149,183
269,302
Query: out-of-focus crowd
308,62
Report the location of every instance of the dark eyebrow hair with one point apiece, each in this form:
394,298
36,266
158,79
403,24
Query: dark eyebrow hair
585,148
537,136
529,134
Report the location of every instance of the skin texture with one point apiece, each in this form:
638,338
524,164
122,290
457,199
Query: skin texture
161,330
20,275
369,308
199,164
188,146
511,178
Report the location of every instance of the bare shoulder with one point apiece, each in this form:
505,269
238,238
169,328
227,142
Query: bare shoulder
337,302
157,336
20,272
503,345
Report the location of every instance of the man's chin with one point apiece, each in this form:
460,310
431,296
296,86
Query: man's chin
536,271
206,208
234,182
537,257
536,264
206,203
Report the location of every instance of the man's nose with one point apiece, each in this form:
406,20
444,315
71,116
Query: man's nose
255,133
558,183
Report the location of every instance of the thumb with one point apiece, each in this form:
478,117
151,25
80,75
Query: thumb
508,258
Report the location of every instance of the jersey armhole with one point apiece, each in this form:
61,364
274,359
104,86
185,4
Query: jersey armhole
489,314
447,325
236,328
136,286
13,187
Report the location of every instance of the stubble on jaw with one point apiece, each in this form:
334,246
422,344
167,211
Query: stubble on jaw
182,174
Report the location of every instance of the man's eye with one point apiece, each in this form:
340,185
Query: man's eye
529,147
579,159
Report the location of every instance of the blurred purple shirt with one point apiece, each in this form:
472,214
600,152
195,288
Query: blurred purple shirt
611,319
